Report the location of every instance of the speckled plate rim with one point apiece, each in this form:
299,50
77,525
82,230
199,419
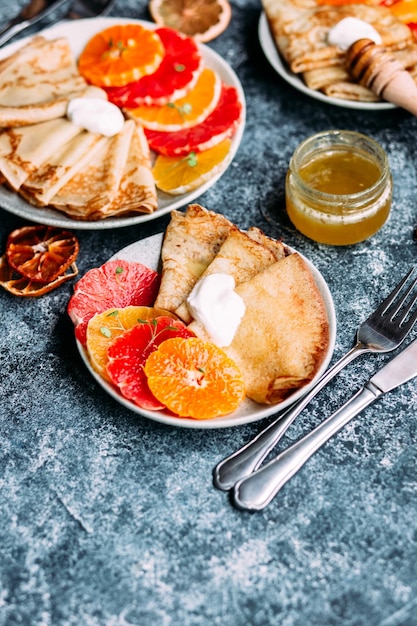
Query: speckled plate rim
147,251
269,48
78,33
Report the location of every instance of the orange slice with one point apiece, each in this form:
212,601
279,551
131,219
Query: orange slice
193,378
178,175
185,112
120,55
41,253
104,327
202,19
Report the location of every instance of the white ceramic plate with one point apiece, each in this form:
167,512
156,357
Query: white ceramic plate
78,33
270,50
147,251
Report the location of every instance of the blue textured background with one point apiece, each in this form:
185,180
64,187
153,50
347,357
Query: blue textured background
109,519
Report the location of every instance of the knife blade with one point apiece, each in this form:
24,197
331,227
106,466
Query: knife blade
31,13
256,491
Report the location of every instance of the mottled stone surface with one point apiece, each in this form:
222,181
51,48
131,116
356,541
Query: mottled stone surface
107,518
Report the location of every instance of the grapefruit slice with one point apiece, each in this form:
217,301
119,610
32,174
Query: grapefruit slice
184,112
194,378
202,19
178,175
117,283
219,125
103,328
120,54
127,355
175,76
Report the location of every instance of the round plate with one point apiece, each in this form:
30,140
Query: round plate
147,251
78,33
270,50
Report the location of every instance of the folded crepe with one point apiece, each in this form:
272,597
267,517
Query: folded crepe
137,190
240,256
192,240
37,81
24,149
300,30
96,186
283,337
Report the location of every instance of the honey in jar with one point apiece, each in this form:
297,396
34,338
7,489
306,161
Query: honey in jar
338,187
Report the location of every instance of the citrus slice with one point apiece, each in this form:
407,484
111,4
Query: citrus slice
175,76
219,125
202,19
117,283
41,253
194,378
103,328
184,112
19,285
120,54
127,355
178,175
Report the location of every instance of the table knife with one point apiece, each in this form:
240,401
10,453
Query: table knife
33,12
256,491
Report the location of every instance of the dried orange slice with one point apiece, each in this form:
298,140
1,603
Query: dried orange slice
120,55
202,19
194,378
19,285
185,112
104,327
41,253
178,175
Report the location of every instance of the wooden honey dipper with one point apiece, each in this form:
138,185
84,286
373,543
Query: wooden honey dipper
376,68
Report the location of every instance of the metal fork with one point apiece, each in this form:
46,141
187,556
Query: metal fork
383,331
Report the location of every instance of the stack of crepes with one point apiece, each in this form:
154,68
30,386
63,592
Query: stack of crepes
283,337
52,162
300,30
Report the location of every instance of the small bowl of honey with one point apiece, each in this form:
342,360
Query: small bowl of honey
338,187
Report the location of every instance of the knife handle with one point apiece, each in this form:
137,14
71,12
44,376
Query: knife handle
257,490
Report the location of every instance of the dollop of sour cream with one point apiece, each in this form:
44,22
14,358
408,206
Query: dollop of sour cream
214,303
349,30
96,115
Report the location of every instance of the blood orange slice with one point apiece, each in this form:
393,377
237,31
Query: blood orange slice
117,283
127,355
175,76
103,328
120,54
195,379
219,125
184,112
41,253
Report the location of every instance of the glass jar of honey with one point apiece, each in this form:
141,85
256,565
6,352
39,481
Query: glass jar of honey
338,187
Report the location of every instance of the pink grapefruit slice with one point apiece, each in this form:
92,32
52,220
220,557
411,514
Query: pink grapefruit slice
219,125
176,75
128,353
117,283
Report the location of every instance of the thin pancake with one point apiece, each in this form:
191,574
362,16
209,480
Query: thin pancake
282,339
192,240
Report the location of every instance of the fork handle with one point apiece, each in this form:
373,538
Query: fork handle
255,492
248,458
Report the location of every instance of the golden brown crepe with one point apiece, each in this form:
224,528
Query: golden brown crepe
24,149
283,337
192,240
239,256
37,81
